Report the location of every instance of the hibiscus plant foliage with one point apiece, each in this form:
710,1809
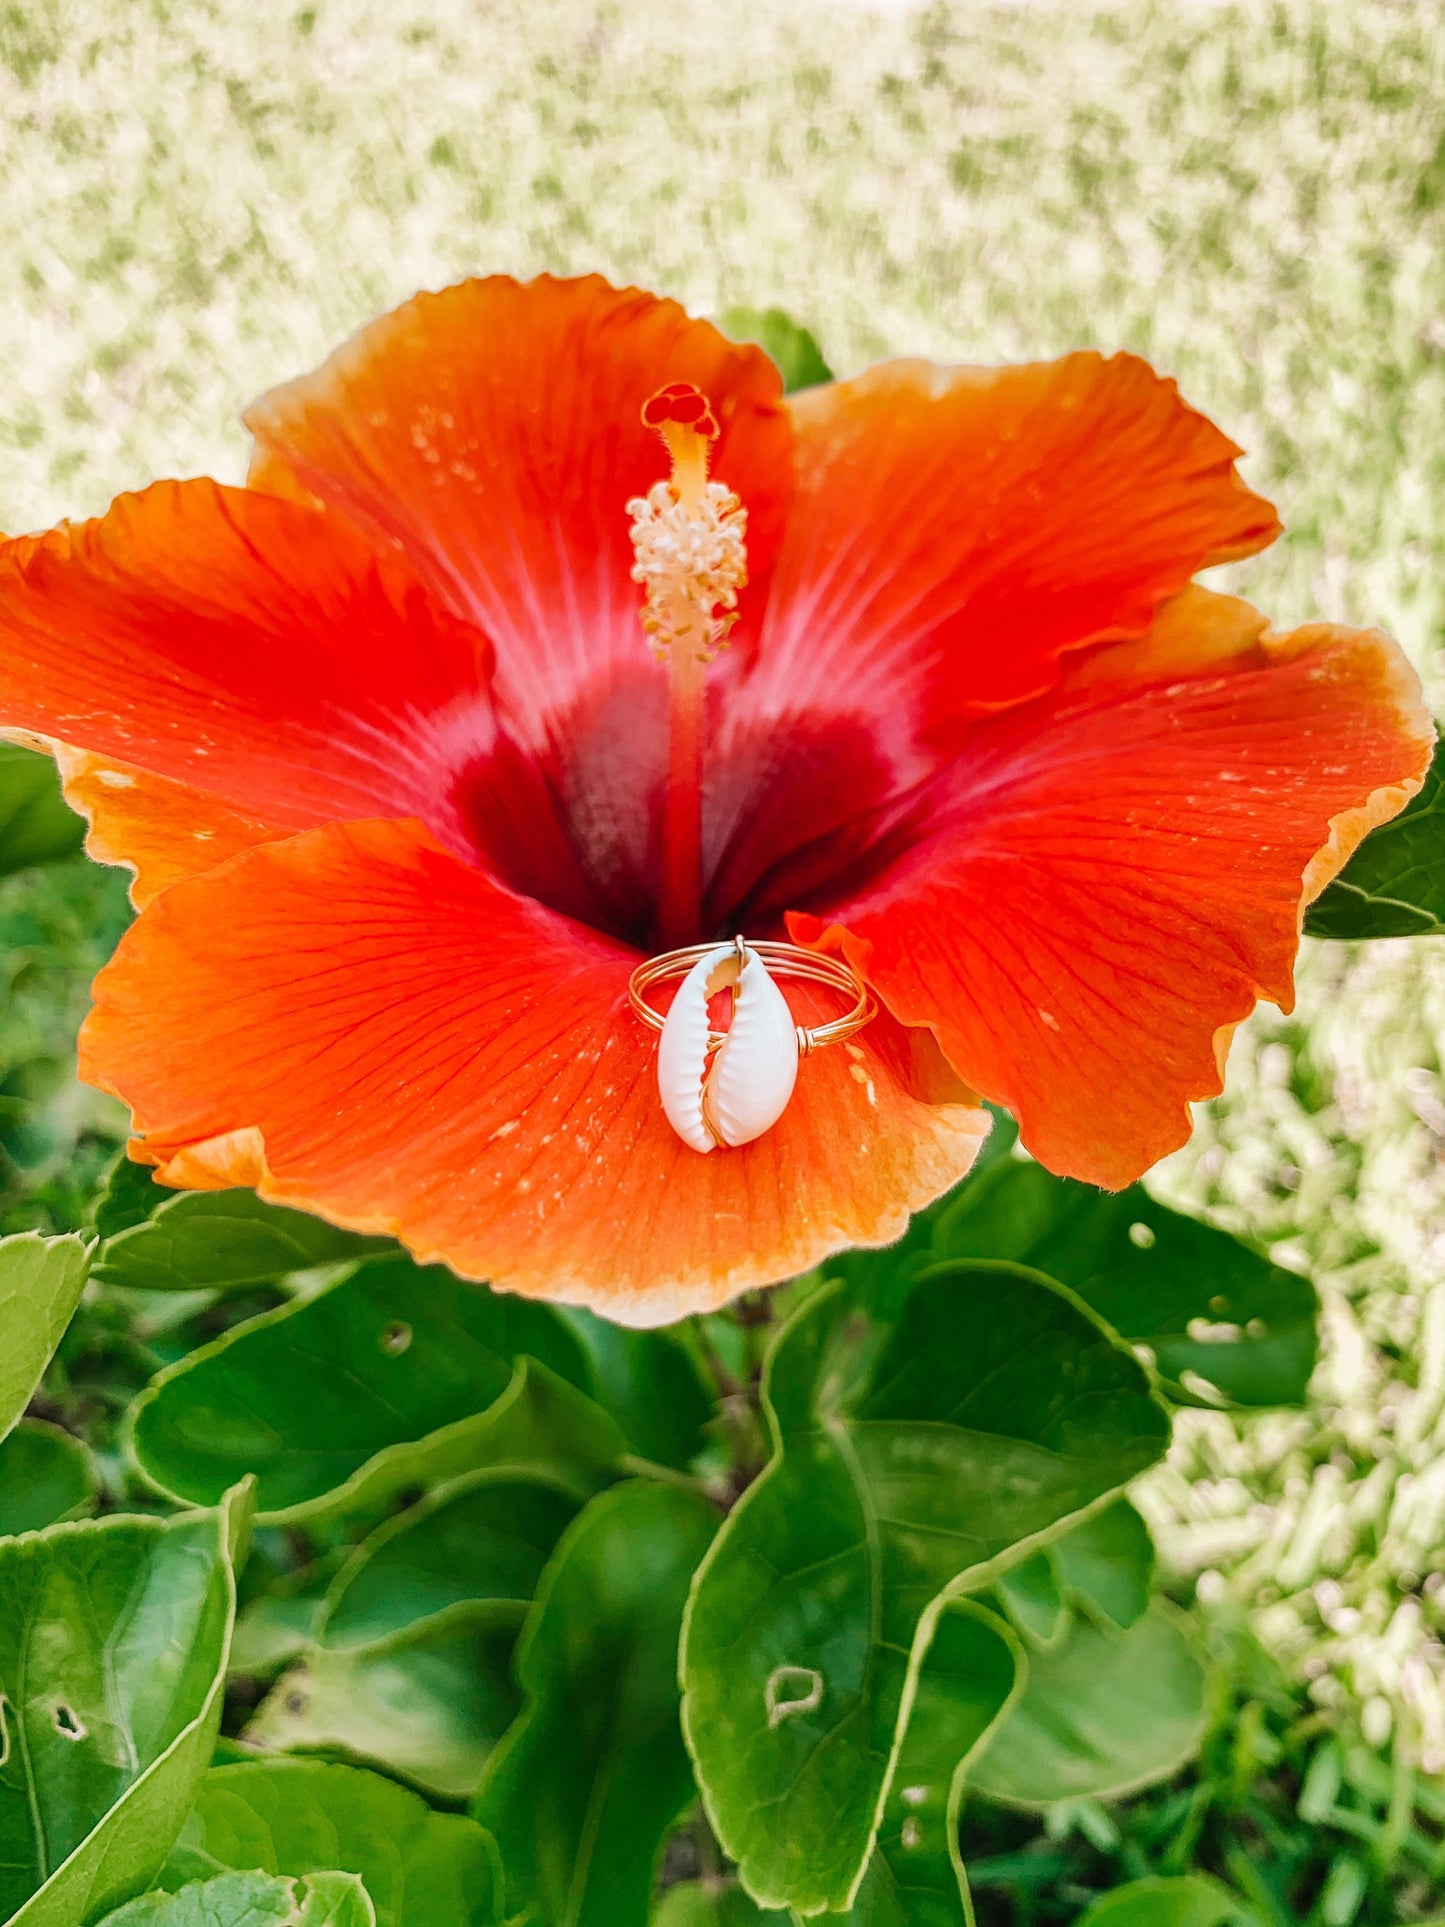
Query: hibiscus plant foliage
412,1603
335,1588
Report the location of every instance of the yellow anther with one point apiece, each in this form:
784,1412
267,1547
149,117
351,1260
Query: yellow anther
688,533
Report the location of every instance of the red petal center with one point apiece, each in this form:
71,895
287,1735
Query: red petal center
790,817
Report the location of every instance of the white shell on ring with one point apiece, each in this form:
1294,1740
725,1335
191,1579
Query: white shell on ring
754,1069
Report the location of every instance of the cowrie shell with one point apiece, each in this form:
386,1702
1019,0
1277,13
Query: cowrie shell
746,1088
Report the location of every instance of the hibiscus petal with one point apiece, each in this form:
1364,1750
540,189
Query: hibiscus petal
954,530
1115,873
371,1029
160,830
251,648
494,432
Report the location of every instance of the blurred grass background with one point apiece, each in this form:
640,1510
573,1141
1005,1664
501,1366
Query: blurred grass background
201,197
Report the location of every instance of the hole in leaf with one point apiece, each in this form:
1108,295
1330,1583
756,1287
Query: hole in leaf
912,1835
68,1725
296,1703
395,1339
1142,1235
792,1690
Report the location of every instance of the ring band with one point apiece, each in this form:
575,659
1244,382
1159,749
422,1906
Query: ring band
784,960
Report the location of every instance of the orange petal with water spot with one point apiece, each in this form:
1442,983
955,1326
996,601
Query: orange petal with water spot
388,1038
494,432
1113,875
246,647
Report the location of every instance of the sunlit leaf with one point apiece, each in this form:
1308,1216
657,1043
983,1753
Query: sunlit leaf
583,1790
41,1280
45,1476
421,1868
787,342
253,1900
697,1903
230,1900
1204,1303
129,1196
222,1240
914,1457
649,1383
335,1900
1106,1563
393,1377
1103,1712
1394,884
483,1539
272,1630
1192,1901
1029,1593
968,1676
37,825
113,1639
429,1703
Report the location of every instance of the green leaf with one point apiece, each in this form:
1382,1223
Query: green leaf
335,1900
271,1632
223,1240
916,1456
130,1195
791,346
418,1629
1107,1564
650,1384
37,825
586,1785
253,1900
301,1816
885,1275
1193,1901
969,1675
429,1704
231,1900
41,1280
1394,884
1204,1303
45,1476
484,1538
113,1640
392,1377
1029,1593
696,1903
1102,1713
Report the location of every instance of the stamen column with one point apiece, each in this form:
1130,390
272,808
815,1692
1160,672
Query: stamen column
688,534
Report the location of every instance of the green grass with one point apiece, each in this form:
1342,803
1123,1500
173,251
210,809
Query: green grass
198,199
1308,1830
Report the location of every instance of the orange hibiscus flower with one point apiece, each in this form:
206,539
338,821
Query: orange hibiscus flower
408,797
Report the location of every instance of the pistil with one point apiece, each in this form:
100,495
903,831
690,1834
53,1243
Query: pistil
688,534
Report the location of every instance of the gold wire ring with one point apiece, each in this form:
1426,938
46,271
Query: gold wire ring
786,960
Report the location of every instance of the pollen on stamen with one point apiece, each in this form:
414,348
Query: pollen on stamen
688,533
